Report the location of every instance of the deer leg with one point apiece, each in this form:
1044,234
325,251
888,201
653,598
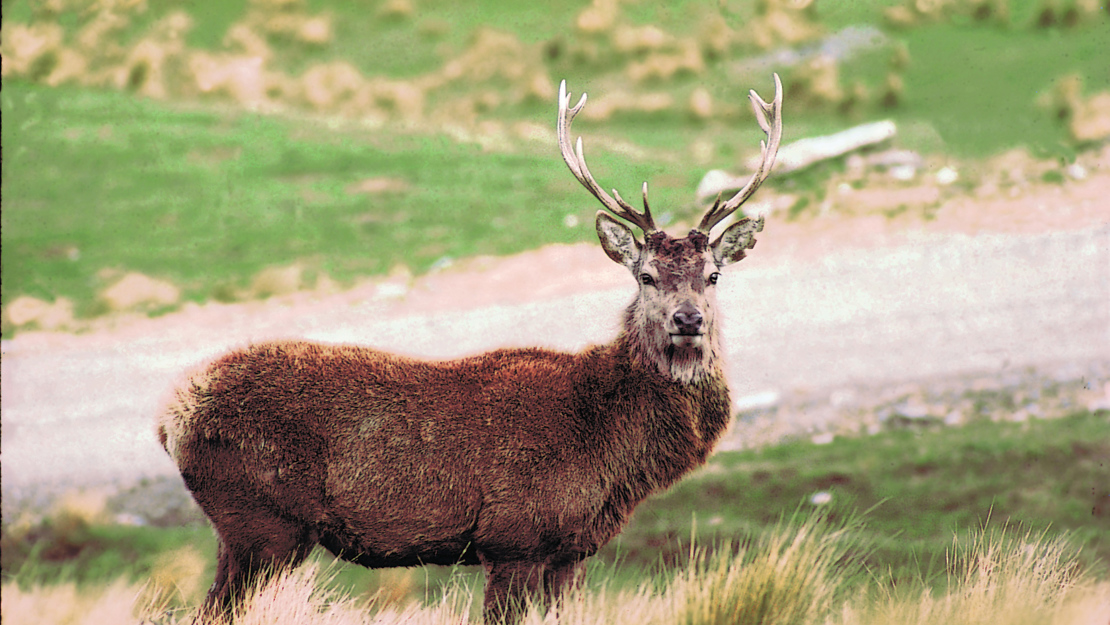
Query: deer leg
219,585
509,586
253,546
560,577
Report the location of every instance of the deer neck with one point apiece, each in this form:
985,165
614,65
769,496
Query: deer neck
663,425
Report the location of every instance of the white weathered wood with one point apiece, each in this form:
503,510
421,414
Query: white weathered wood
801,154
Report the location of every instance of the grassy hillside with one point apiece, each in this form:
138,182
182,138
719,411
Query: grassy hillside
96,181
199,144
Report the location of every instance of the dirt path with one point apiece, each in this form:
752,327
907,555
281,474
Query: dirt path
830,308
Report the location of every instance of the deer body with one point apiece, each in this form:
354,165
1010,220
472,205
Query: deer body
525,461
516,457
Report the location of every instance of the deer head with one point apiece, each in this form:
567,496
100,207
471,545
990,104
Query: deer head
672,323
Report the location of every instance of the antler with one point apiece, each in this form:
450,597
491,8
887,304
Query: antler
768,150
576,161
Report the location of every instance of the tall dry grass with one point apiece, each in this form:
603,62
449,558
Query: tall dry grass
798,573
994,578
790,576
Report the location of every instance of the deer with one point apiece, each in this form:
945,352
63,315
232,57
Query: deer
524,461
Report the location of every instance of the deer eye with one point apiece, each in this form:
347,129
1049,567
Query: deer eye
713,277
647,280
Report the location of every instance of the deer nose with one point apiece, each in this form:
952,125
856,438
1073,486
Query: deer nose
687,319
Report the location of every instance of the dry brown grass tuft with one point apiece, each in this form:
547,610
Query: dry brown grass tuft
65,604
998,578
791,576
177,578
795,574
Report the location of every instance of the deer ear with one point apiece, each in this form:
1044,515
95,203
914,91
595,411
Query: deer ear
618,241
729,247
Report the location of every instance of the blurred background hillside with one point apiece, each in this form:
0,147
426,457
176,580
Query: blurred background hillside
363,171
159,152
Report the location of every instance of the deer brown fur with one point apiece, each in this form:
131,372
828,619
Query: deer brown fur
525,461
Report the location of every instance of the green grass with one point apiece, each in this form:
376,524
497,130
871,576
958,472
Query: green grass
70,550
794,576
96,183
95,180
977,86
905,495
918,488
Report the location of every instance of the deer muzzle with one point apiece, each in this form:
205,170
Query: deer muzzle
687,326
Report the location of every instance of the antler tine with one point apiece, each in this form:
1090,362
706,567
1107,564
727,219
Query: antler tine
576,162
769,117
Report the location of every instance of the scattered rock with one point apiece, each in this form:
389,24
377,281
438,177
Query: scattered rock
701,104
821,498
157,62
1102,402
640,39
405,100
137,291
498,58
31,311
315,30
396,286
532,131
597,18
1076,171
242,78
947,176
273,281
378,185
30,50
1090,121
326,85
69,66
685,59
757,401
397,9
160,502
805,152
1088,118
816,83
1012,396
911,413
623,102
781,22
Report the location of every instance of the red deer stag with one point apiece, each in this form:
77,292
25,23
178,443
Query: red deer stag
524,461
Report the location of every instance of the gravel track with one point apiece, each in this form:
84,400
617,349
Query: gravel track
854,339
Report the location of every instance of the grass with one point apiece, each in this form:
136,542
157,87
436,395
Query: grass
793,576
98,180
1044,475
978,87
206,195
905,510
